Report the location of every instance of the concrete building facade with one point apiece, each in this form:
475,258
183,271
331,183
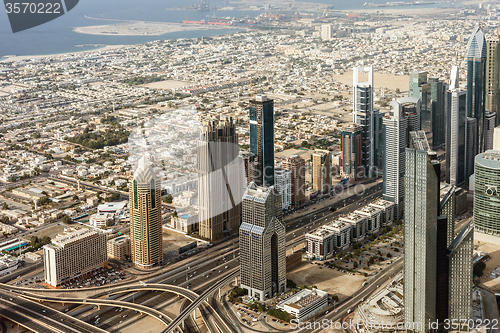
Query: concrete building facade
72,254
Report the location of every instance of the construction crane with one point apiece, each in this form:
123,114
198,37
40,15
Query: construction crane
324,12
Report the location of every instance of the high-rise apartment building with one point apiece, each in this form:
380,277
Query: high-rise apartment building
321,171
493,75
351,160
432,94
489,128
456,132
262,243
145,216
297,166
262,139
326,32
405,118
476,81
283,184
420,243
74,253
219,173
364,116
487,193
471,145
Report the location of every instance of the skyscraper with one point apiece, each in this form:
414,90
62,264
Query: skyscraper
283,184
249,167
145,216
471,145
262,139
326,32
456,133
262,243
476,81
432,94
405,118
364,117
460,254
321,171
489,128
420,243
487,192
297,166
351,160
220,172
493,75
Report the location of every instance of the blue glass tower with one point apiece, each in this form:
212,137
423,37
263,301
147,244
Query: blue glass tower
476,82
262,139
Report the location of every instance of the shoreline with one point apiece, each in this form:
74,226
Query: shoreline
9,58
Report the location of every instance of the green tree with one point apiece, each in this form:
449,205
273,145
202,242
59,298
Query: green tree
66,219
5,206
478,268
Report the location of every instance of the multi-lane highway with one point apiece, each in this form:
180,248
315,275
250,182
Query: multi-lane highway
40,318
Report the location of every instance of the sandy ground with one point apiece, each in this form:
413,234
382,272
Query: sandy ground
381,80
494,252
143,28
10,58
14,205
333,282
52,230
172,241
168,84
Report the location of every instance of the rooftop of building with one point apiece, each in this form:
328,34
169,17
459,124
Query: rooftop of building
353,217
368,210
418,141
71,235
119,240
489,159
110,207
382,203
303,298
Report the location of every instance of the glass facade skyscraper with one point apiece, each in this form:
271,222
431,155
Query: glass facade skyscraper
487,193
420,241
476,82
456,134
262,139
405,118
432,95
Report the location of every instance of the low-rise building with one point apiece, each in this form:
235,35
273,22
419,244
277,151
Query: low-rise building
74,253
305,304
387,215
373,215
119,248
358,223
322,242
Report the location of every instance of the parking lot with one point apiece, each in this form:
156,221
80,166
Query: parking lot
99,277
